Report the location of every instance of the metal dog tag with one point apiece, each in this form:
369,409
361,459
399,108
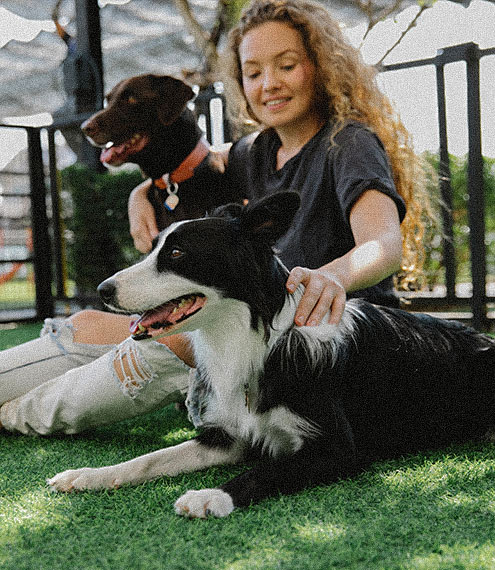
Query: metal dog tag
172,198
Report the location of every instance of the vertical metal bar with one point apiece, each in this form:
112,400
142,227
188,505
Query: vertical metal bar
444,177
89,66
39,220
89,46
476,204
58,248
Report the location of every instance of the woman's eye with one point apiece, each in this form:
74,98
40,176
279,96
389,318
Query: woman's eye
175,253
250,73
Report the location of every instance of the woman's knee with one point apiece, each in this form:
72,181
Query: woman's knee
97,327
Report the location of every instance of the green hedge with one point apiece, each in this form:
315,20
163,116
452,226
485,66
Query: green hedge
96,222
433,243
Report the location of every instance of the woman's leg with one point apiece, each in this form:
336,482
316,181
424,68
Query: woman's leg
129,379
97,327
63,344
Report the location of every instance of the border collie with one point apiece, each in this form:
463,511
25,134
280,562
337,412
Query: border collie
315,404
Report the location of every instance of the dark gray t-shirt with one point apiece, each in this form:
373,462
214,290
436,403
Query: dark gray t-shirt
329,179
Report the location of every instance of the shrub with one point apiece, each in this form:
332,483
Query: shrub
461,230
97,227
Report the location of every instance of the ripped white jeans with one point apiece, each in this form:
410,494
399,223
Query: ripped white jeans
133,378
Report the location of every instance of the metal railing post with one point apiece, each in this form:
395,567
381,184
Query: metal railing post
444,178
42,258
58,245
476,205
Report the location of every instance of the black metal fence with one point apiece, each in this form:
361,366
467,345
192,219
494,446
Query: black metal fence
471,54
47,253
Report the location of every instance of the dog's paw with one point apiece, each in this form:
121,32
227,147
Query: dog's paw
200,504
83,479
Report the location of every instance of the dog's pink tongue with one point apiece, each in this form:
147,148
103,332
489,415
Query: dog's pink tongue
120,153
115,155
151,323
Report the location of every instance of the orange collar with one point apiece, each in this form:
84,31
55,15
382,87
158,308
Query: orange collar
185,170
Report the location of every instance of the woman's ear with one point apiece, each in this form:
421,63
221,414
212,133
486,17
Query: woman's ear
271,217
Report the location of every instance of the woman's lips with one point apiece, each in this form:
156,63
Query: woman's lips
275,104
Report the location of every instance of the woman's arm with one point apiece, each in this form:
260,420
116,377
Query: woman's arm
375,224
142,222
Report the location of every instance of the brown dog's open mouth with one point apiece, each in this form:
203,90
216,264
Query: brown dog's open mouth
117,154
161,318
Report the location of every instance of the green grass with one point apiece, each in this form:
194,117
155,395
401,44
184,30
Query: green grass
432,511
12,334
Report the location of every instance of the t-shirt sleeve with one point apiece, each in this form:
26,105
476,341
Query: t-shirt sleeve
361,164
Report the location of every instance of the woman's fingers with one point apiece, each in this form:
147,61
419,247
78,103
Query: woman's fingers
143,235
322,294
143,226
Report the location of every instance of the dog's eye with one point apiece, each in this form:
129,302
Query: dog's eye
132,100
175,253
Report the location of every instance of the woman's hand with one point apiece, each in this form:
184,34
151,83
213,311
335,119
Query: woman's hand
323,293
142,221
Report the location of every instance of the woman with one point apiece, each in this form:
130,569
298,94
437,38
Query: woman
327,132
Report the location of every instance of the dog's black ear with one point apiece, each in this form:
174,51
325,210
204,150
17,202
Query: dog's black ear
230,211
271,217
173,95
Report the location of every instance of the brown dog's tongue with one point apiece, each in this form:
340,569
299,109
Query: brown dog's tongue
115,155
120,153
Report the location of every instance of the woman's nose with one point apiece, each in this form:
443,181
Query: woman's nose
270,80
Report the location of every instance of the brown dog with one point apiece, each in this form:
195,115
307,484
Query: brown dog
147,122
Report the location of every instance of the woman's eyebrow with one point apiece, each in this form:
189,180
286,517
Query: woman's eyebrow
277,56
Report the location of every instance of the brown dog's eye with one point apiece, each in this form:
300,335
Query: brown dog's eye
132,100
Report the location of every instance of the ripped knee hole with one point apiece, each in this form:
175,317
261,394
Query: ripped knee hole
130,368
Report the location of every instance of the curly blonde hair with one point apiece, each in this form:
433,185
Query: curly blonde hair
346,90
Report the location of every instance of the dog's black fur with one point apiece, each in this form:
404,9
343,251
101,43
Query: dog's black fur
156,106
319,403
395,384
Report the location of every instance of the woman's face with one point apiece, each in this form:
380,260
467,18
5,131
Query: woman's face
278,77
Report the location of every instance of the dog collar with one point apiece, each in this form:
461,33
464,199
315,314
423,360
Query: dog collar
170,181
185,170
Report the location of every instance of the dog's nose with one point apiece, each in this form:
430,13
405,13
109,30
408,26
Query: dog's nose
107,290
88,128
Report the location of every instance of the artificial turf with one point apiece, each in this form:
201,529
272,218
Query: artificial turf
430,511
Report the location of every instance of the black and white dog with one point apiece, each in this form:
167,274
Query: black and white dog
316,403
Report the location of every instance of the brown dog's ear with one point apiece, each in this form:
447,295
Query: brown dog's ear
172,97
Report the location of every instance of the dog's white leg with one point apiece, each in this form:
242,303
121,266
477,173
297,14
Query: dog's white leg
185,457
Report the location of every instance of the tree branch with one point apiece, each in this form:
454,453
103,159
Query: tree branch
411,25
201,37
